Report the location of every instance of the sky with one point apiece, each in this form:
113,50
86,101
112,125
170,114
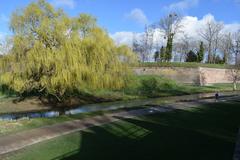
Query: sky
122,17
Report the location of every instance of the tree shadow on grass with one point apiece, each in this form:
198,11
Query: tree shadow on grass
207,133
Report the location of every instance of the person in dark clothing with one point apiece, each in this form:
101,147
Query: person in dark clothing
216,96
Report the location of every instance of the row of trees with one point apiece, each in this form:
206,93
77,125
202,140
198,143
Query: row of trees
52,54
191,56
219,46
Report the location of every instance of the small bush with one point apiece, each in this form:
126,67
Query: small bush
149,86
153,86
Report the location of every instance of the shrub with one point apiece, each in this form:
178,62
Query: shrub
153,86
191,57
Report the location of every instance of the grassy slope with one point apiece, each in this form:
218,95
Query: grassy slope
167,87
179,64
208,132
9,127
135,90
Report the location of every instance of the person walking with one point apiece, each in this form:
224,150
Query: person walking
216,96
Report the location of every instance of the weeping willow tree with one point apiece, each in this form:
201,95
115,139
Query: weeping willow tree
53,54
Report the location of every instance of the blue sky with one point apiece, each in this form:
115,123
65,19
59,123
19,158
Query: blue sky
131,15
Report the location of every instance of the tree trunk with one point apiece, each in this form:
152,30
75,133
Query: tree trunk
236,58
225,57
234,86
210,53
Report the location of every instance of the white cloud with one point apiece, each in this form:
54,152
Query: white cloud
191,28
182,5
137,15
234,27
192,25
64,3
126,37
123,37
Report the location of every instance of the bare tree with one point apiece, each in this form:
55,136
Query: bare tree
226,46
236,46
170,25
235,69
143,45
148,42
210,33
182,47
137,47
235,75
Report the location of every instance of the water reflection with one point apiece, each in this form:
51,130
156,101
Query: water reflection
107,106
17,116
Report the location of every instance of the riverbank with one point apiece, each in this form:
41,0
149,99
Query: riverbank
162,135
141,87
33,120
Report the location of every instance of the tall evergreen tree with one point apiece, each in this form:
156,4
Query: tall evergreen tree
169,48
200,53
162,54
156,56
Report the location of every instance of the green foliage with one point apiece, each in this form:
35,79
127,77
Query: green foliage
225,59
169,48
200,53
59,56
149,86
219,60
156,56
153,86
162,54
181,64
156,86
191,57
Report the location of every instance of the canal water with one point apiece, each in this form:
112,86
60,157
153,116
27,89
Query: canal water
110,106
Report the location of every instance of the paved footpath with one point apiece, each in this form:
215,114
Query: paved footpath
20,140
23,139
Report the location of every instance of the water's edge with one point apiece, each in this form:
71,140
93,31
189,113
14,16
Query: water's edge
108,106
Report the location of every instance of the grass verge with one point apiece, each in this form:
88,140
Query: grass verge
139,87
207,132
181,64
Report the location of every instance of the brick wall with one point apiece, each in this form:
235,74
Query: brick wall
203,76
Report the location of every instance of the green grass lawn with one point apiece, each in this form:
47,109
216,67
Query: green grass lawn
156,86
162,88
139,87
181,64
11,127
204,133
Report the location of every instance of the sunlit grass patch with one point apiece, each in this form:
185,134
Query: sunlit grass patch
126,129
